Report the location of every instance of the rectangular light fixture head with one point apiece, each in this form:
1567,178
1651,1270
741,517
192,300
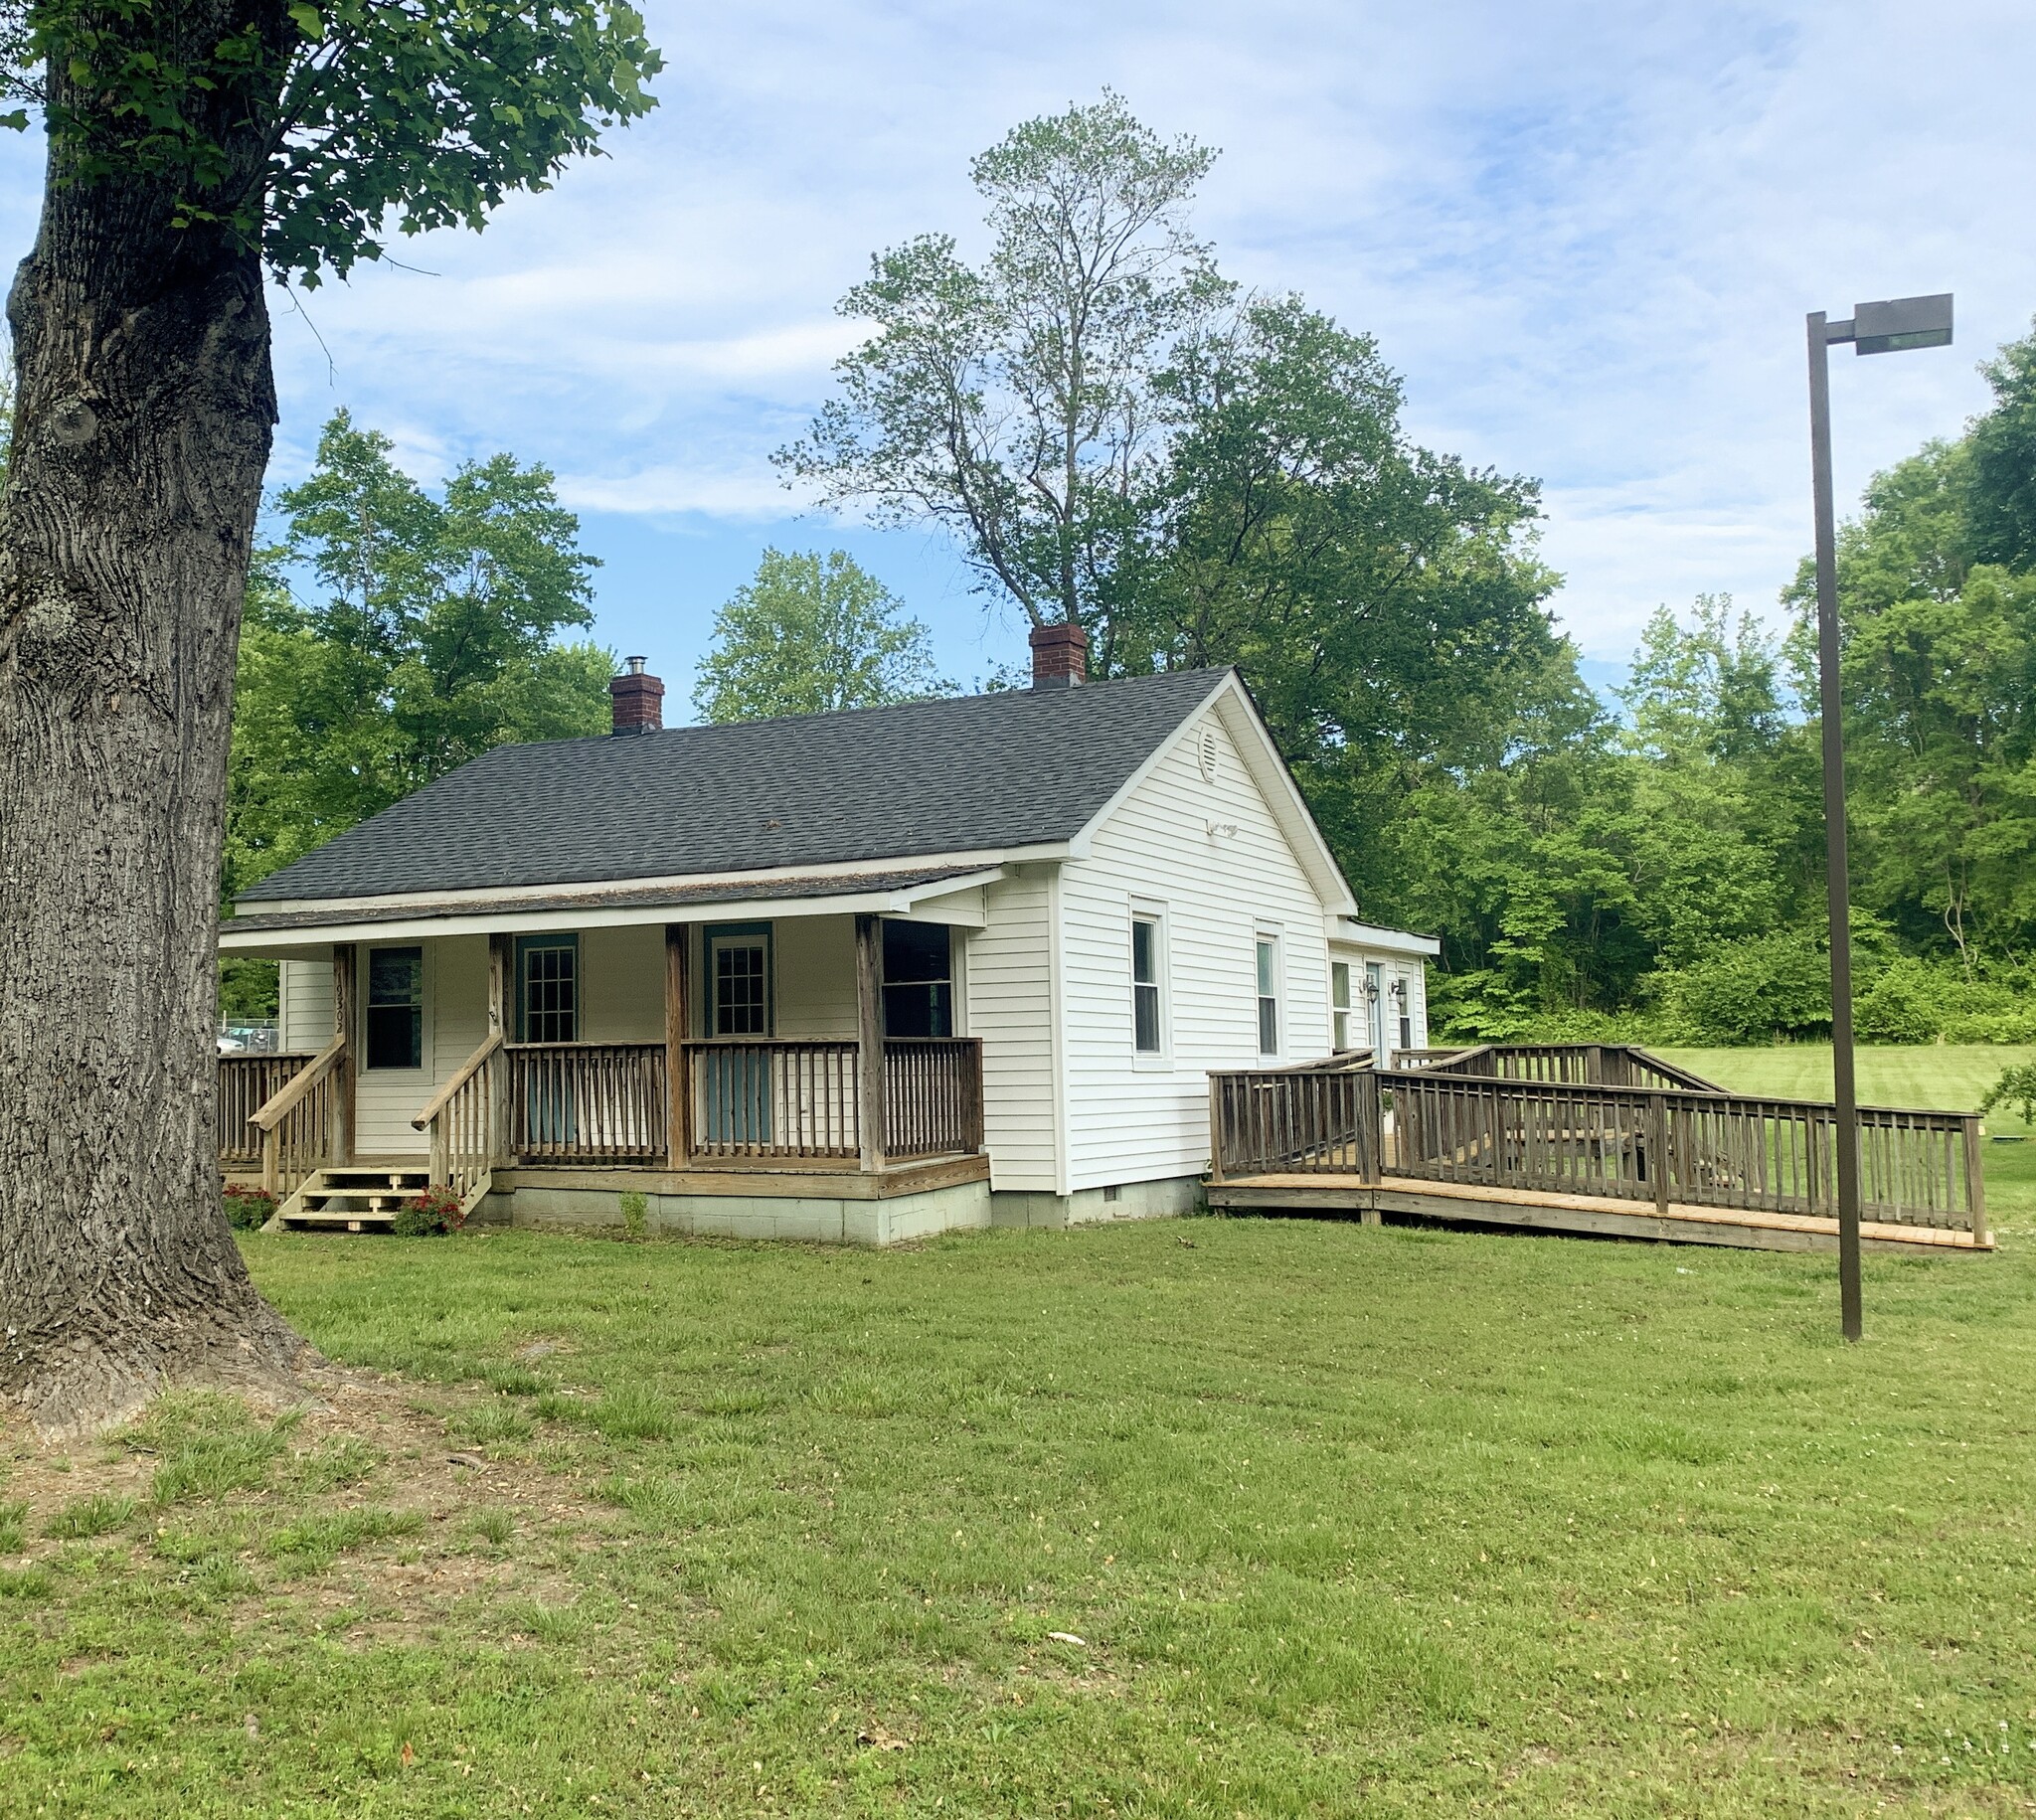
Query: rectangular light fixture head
1906,322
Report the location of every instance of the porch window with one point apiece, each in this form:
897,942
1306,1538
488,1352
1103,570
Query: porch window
396,1008
1374,1006
1148,1029
1268,995
919,979
741,981
1339,1002
549,996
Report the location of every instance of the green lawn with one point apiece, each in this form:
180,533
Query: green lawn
1347,1521
1948,1077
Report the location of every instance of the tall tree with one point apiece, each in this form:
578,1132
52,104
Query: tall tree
1385,602
191,144
2003,456
812,634
436,636
1012,403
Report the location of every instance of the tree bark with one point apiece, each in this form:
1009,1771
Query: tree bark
144,410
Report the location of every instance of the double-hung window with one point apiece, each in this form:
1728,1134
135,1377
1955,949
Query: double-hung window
1148,996
1268,993
1339,1002
919,979
396,1008
547,1005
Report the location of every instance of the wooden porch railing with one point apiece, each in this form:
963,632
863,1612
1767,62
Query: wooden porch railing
932,1096
1321,1119
1619,1065
746,1102
464,1119
246,1084
1646,1144
587,1102
772,1101
298,1121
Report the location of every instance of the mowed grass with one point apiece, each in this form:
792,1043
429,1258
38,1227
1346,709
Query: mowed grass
1945,1076
1346,1521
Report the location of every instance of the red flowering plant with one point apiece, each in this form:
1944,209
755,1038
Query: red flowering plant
247,1206
429,1211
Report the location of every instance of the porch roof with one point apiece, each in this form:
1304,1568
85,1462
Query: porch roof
835,892
881,786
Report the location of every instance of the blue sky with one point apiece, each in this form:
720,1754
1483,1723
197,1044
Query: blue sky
1586,235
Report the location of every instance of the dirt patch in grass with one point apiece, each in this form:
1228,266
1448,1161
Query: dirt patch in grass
372,1495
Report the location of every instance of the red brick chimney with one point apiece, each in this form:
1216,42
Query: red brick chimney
1060,656
638,699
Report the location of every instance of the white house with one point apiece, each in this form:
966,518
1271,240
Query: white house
854,976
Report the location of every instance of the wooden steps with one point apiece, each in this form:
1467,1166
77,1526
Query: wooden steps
361,1198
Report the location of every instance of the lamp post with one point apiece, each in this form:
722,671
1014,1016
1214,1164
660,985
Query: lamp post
1873,328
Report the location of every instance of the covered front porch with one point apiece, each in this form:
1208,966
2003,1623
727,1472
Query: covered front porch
622,1072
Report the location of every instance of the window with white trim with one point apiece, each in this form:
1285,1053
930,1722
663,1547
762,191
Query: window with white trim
1339,1002
1268,993
1148,980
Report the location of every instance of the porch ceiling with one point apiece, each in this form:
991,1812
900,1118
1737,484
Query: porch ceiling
932,894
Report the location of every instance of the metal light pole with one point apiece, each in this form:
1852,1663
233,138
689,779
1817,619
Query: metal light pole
1875,328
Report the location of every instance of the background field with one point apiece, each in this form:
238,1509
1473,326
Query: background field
1948,1076
1346,1521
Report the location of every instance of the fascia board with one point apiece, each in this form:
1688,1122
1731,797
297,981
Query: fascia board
1346,931
289,942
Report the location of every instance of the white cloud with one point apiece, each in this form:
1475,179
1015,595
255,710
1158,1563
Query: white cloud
1584,233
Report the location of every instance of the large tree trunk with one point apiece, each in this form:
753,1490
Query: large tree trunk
143,415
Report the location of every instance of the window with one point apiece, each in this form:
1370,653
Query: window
1404,1004
1147,1029
919,979
1339,1002
1268,995
1374,1010
548,989
395,1007
740,981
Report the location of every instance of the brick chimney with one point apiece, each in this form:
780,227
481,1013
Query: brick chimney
638,699
1060,656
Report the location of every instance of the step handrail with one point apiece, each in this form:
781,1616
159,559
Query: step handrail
471,1066
277,1106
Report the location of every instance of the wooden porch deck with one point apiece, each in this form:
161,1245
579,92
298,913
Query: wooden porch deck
1586,1138
1465,1203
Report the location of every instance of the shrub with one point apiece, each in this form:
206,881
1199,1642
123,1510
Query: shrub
426,1214
1751,991
248,1209
2016,1088
636,1209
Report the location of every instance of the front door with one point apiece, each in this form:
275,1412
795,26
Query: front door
548,1011
737,1077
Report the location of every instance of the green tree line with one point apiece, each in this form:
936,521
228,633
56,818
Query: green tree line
1114,434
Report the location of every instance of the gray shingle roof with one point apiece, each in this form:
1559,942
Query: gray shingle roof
962,776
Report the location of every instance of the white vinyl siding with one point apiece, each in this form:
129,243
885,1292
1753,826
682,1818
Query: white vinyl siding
1008,969
304,1005
622,985
1220,889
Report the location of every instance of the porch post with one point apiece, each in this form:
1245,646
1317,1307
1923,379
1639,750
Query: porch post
869,1033
501,962
678,999
340,1134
